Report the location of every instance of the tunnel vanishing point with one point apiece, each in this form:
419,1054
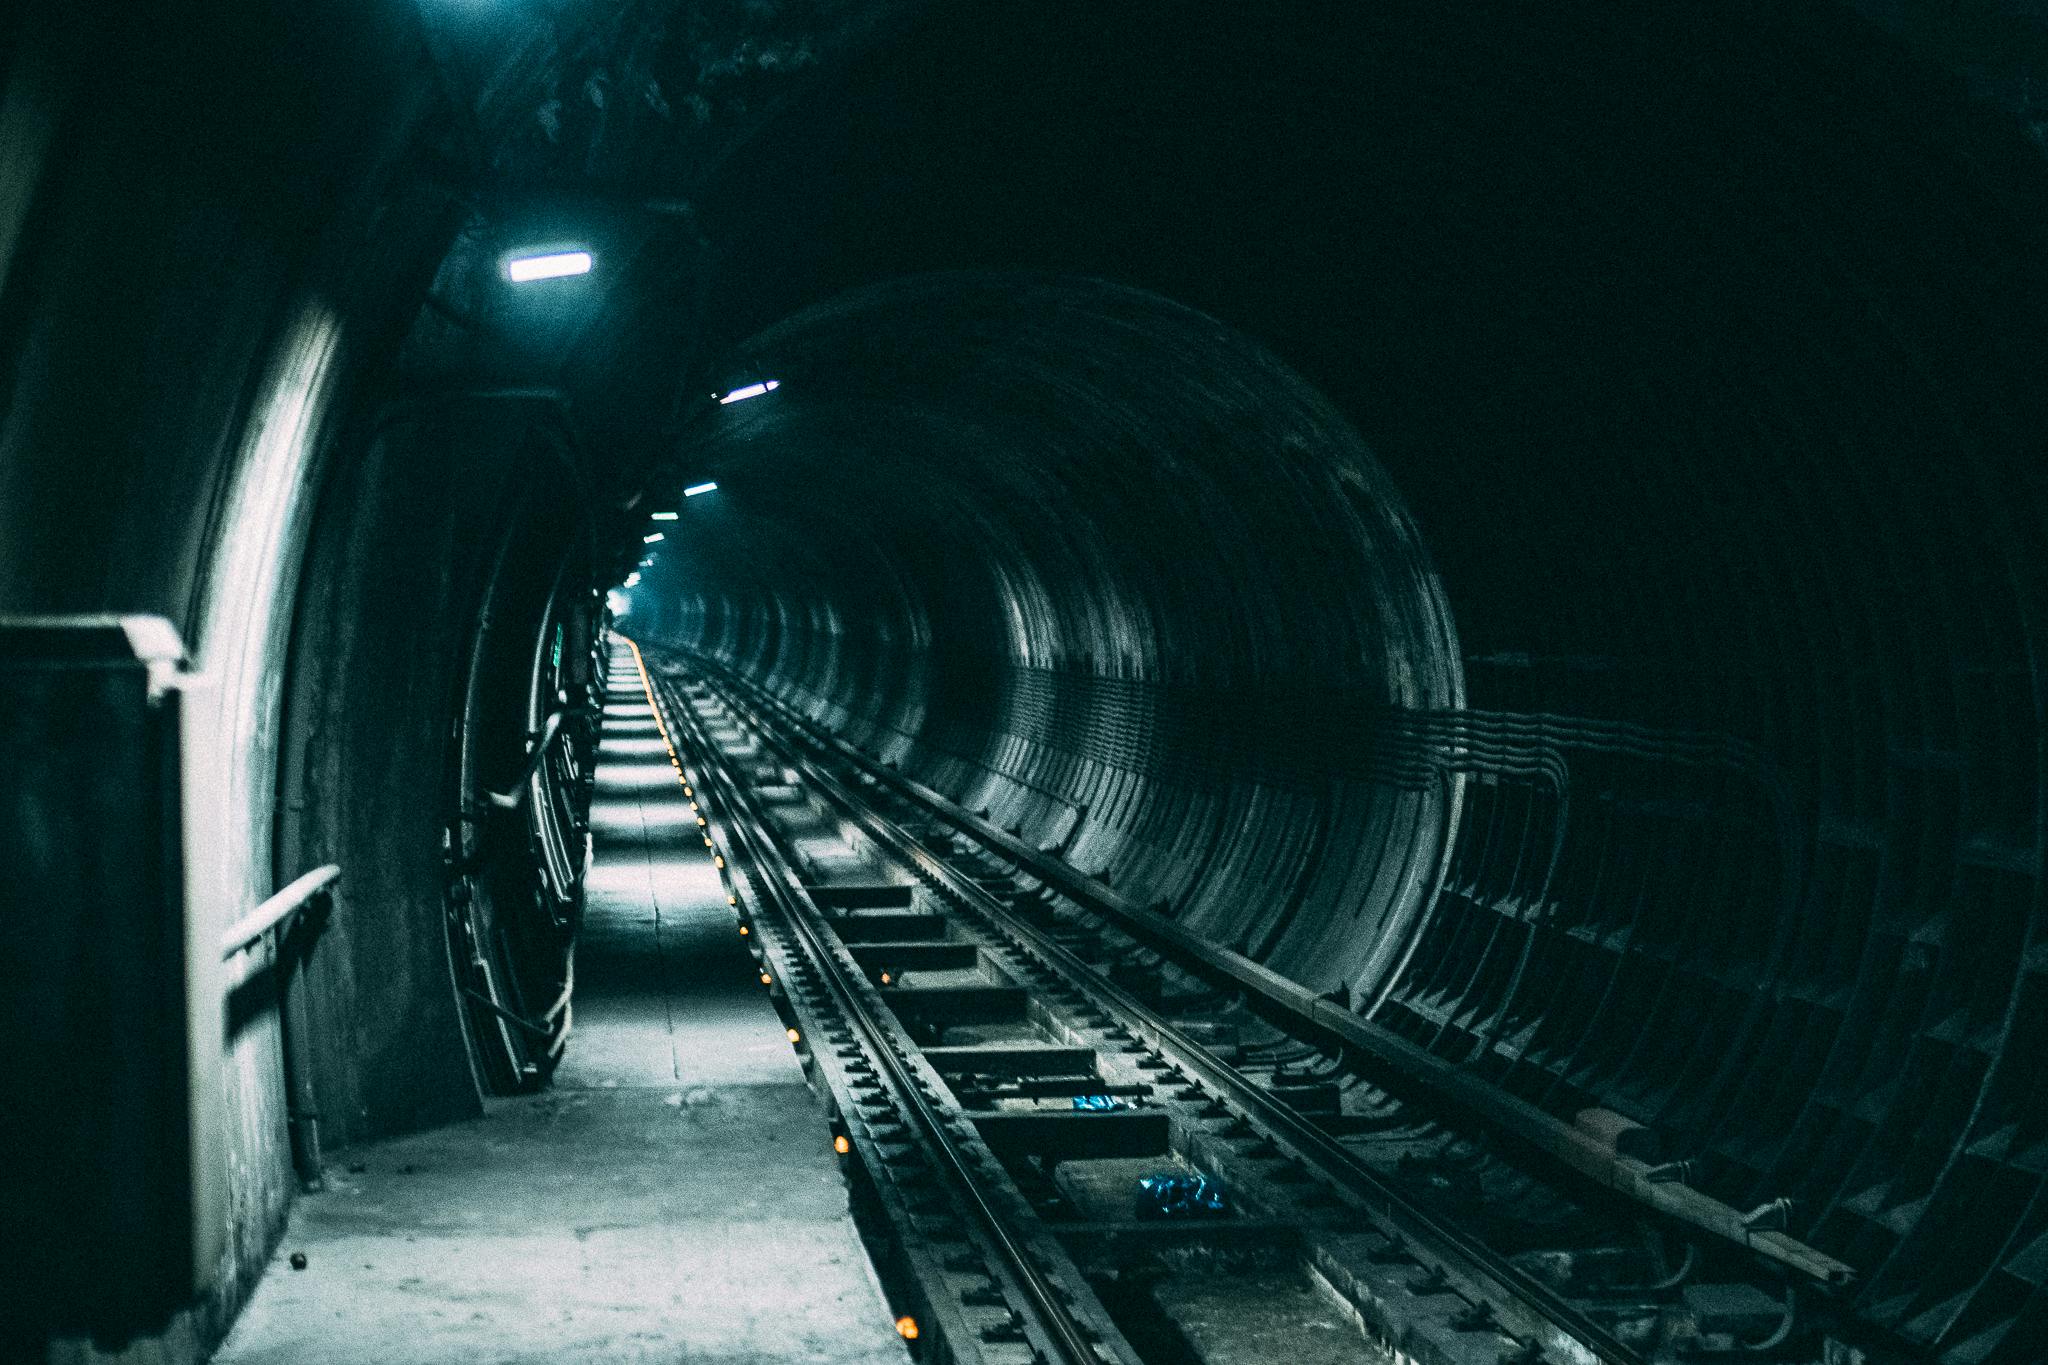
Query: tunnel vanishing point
1523,525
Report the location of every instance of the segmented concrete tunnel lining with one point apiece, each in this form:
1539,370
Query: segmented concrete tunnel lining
1098,564
1110,569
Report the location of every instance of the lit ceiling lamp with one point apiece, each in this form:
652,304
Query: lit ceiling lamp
696,488
649,540
547,265
751,391
661,516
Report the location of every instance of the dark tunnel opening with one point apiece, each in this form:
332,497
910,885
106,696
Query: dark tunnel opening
1152,598
1525,525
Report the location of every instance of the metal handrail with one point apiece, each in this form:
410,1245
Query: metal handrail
280,906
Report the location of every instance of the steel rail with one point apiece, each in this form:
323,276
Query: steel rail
1551,1321
1042,1296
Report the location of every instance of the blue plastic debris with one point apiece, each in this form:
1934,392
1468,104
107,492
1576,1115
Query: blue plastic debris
1100,1103
1180,1196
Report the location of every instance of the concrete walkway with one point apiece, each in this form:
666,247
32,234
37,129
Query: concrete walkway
673,1197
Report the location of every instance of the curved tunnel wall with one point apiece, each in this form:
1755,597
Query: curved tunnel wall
445,549
1744,842
182,315
1057,577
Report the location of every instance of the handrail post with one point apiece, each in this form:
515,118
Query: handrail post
295,1029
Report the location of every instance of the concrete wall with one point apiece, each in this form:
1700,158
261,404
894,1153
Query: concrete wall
212,229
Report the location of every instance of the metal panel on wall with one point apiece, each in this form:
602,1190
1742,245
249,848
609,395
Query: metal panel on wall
98,1127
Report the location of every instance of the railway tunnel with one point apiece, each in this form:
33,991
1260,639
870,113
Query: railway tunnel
1509,537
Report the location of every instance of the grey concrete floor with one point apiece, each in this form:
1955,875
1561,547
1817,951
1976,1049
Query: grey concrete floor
673,1197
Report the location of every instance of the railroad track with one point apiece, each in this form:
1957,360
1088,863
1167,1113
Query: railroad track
1003,1066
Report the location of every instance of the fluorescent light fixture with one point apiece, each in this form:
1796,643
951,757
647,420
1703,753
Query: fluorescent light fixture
632,580
552,265
649,540
661,516
752,391
694,489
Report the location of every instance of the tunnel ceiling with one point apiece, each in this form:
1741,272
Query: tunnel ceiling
599,125
1480,233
